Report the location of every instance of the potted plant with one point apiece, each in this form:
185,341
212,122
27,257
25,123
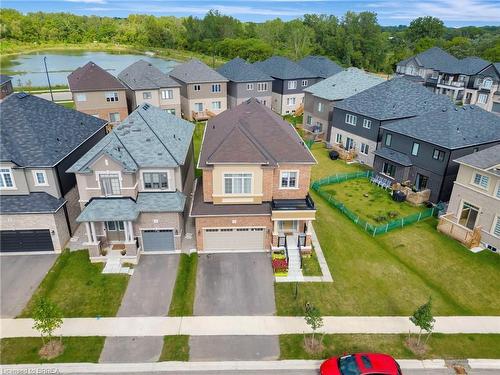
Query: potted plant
103,252
123,252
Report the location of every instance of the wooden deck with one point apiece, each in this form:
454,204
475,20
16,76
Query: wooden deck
448,224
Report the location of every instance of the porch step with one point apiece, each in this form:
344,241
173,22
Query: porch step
114,265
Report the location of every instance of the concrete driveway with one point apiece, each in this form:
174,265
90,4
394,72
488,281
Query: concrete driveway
20,275
234,284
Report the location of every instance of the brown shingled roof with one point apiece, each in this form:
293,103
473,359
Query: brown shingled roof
91,77
252,133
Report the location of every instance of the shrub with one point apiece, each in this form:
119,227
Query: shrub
280,265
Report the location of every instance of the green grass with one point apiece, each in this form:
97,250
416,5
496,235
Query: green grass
25,350
175,348
79,288
459,346
310,265
327,167
185,286
377,207
197,138
393,273
70,105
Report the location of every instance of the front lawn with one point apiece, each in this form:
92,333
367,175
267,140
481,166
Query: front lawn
79,288
440,346
310,265
175,348
185,286
25,350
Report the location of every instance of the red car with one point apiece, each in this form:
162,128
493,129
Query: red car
361,364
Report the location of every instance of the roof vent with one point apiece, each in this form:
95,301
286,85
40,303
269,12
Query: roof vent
148,139
160,153
145,107
456,109
136,129
444,109
22,95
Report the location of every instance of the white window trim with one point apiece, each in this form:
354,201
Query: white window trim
34,172
171,183
497,190
296,180
80,96
220,105
459,213
492,230
166,91
13,187
478,185
292,85
237,194
120,180
305,82
111,95
195,86
321,107
354,117
250,86
262,86
147,92
367,124
413,148
216,85
289,100
361,148
482,95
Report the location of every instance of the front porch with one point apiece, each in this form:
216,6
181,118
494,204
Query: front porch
451,226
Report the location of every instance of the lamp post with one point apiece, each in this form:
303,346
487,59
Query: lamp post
48,78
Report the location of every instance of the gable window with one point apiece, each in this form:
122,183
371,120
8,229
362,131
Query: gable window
155,180
388,139
364,148
237,183
167,94
367,124
81,97
388,169
304,82
414,149
309,120
40,178
216,105
196,87
114,117
249,86
438,155
481,181
321,107
289,179
6,179
110,184
262,86
290,101
292,85
111,96
468,215
147,95
216,87
350,119
482,98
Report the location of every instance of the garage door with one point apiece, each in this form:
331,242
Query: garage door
12,241
222,239
158,240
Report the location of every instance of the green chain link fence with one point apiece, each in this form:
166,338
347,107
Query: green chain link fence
370,228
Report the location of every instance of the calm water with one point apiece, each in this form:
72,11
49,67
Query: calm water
29,67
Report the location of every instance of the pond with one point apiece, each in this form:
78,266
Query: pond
28,69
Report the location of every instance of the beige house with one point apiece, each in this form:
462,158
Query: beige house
147,84
203,90
133,186
254,191
98,93
473,215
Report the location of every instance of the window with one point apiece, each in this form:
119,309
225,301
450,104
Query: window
481,180
110,184
114,226
6,179
318,128
81,97
468,216
487,83
349,143
498,191
196,87
111,96
40,178
496,228
167,94
216,105
147,95
155,180
482,98
364,148
237,183
421,181
290,101
367,124
388,139
114,117
321,107
198,107
350,119
249,86
438,155
292,85
414,149
171,111
262,86
389,169
216,87
309,120
289,179
304,82
338,138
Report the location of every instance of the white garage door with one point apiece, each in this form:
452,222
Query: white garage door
223,239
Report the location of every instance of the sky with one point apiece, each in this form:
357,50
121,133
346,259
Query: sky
390,12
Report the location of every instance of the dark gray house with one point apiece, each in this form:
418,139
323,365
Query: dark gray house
290,80
356,120
245,82
421,150
39,201
321,66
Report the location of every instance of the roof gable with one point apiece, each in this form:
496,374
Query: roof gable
194,71
91,77
143,75
238,70
283,68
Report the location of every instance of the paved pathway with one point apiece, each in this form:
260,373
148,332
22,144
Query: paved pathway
244,325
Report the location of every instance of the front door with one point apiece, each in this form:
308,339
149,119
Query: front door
115,231
468,216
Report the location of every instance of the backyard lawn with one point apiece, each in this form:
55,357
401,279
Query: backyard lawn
391,274
79,288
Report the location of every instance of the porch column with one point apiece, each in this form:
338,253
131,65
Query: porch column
89,232
131,231
93,232
275,228
126,229
309,223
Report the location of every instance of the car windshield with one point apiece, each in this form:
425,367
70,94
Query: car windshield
348,366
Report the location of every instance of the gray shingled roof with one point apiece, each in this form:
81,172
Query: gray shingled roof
484,159
451,128
238,70
39,133
394,99
148,137
109,209
195,71
321,66
91,77
344,84
143,75
283,68
161,202
395,156
472,65
30,203
4,78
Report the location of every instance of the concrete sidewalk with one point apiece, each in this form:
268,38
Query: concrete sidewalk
244,325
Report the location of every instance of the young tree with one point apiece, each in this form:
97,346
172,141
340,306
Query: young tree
313,319
47,318
422,318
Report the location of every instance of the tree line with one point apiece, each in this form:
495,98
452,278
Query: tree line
355,39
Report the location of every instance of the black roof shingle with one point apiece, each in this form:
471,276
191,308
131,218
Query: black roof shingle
238,70
31,203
